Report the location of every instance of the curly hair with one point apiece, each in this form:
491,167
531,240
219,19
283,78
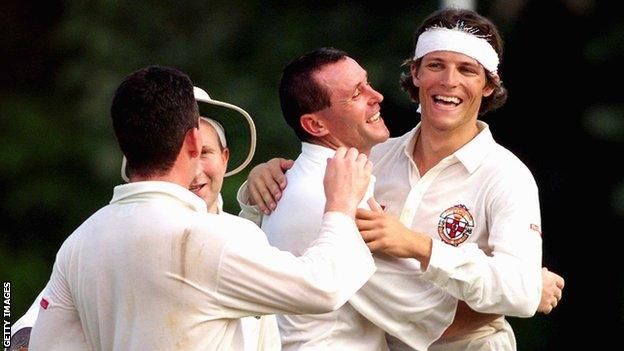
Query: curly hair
480,26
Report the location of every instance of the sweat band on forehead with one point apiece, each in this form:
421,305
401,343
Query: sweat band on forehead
218,128
457,40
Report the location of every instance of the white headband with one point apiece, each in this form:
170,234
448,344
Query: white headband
457,40
218,128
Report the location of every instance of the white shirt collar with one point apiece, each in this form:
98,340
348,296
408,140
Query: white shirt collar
316,153
474,152
470,155
158,189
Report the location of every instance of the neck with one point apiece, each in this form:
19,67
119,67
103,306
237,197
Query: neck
434,145
180,173
170,177
214,208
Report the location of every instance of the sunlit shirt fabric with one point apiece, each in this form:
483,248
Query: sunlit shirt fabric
481,194
154,271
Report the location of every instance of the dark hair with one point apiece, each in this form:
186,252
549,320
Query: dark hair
300,93
450,18
152,110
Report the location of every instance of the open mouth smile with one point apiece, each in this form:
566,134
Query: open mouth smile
374,118
447,100
197,187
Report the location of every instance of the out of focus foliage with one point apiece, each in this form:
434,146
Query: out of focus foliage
63,60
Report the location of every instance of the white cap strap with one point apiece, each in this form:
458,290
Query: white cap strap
457,40
218,128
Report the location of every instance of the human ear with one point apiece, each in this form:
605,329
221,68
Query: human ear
193,142
313,124
414,72
490,86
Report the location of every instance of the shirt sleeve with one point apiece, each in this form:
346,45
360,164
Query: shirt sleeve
57,326
508,279
29,318
255,278
249,212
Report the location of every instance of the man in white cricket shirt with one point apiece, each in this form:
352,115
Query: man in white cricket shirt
462,205
147,272
327,100
259,333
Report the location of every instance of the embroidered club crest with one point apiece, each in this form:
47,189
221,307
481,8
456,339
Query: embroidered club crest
455,225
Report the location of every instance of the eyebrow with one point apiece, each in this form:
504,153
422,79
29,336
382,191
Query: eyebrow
461,63
360,83
357,86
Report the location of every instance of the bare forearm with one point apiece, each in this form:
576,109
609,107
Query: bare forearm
467,320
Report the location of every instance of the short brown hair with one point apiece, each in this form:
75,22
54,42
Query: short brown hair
152,110
299,91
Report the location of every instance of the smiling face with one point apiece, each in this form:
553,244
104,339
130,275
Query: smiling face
451,86
353,118
212,166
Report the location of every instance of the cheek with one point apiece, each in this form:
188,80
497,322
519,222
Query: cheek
211,167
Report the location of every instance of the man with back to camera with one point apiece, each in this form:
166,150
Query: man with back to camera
259,333
147,272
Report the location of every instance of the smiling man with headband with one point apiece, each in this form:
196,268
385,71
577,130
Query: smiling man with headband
465,208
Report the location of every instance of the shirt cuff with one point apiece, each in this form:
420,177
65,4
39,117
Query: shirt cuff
348,231
248,211
442,264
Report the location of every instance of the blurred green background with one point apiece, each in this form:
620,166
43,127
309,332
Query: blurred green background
562,65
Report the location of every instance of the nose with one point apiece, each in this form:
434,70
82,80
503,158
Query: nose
450,78
376,96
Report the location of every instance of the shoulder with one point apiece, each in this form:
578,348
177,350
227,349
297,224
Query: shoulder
506,173
508,164
226,227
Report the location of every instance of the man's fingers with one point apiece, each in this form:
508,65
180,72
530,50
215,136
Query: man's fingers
369,166
374,246
275,189
558,294
368,235
362,159
340,153
277,183
258,200
268,199
560,282
286,164
374,205
353,154
364,214
364,224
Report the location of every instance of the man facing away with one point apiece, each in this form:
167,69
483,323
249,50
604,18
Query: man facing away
259,333
154,270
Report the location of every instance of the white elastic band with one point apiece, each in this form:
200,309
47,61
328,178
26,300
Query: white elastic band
218,128
457,40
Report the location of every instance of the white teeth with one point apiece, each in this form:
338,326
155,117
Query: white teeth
374,118
452,99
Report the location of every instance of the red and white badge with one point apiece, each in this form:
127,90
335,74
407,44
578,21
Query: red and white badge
455,225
